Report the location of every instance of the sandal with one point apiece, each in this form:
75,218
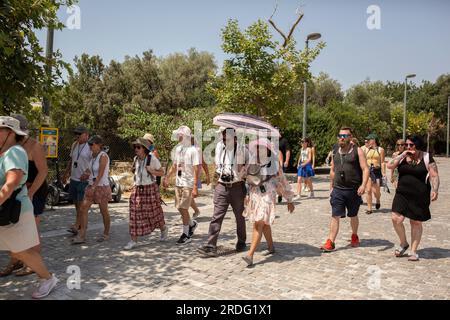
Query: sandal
78,240
368,211
25,271
400,251
10,268
268,252
73,231
103,238
413,257
377,206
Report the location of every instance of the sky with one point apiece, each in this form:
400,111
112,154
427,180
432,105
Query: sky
414,35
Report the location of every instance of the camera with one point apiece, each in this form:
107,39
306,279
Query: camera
141,188
75,164
262,189
226,178
342,175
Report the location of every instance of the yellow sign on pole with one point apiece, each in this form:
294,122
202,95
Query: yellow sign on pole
48,137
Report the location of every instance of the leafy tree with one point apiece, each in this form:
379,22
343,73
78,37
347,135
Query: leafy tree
22,62
324,90
261,76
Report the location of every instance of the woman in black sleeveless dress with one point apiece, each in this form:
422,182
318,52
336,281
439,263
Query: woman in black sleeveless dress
413,194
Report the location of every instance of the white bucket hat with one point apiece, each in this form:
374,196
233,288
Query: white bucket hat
11,123
182,131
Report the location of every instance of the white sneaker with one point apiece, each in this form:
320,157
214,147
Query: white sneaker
130,245
45,287
297,197
164,234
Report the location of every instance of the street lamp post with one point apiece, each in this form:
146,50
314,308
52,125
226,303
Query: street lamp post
48,68
311,36
404,104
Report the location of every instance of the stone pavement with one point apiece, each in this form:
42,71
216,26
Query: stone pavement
297,271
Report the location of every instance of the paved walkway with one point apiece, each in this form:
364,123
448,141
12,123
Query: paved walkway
297,271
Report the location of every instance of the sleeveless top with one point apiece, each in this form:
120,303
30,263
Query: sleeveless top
32,174
304,155
373,157
94,167
348,164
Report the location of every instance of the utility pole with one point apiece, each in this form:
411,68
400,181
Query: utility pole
49,55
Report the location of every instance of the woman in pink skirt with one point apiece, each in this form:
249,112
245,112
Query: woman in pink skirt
265,179
98,191
146,213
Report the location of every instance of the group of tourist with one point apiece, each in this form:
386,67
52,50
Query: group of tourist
249,177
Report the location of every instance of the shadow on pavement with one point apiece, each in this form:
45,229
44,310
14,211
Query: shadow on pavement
286,251
434,253
368,243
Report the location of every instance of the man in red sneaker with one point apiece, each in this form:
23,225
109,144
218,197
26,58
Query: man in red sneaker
348,174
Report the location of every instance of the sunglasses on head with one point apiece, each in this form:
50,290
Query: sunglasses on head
343,136
409,145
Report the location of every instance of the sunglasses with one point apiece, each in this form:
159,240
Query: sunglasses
400,144
137,147
344,136
409,145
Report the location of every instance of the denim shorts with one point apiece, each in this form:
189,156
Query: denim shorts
345,202
76,190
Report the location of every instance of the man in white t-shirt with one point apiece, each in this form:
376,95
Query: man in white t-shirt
81,157
186,165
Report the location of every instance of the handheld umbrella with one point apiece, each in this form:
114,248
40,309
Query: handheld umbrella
246,123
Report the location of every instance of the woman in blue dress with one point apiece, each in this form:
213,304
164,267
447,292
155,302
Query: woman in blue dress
305,169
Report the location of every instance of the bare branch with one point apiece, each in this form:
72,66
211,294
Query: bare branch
279,31
275,10
294,26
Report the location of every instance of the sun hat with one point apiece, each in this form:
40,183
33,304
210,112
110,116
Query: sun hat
80,129
182,131
13,124
149,137
143,142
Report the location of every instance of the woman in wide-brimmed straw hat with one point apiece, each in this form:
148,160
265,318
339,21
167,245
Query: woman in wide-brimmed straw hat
146,213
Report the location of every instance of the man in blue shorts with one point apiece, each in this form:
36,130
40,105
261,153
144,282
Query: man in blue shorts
348,174
81,157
